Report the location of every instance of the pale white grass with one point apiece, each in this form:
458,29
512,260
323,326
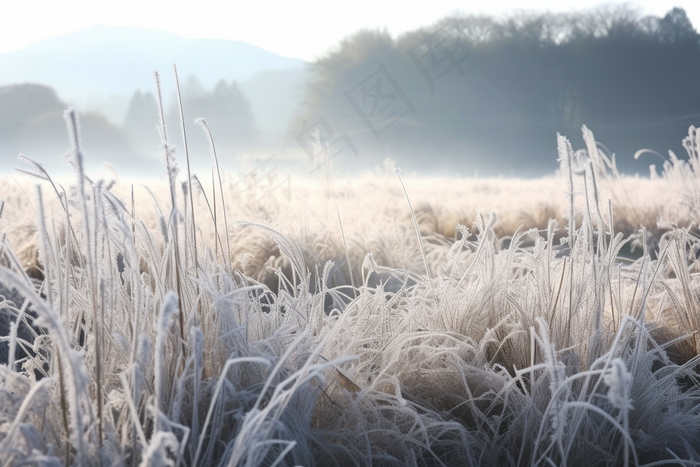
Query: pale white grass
490,346
368,205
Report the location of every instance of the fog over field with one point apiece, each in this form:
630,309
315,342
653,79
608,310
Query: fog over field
474,241
469,94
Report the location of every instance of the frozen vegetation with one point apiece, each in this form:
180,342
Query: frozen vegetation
376,321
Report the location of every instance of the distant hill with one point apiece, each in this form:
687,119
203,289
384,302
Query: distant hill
103,60
101,70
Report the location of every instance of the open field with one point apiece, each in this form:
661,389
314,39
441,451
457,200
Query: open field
354,323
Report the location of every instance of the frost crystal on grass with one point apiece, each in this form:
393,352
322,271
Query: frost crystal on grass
618,380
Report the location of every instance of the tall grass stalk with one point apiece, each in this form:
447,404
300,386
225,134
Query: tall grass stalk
420,240
193,224
172,169
71,118
216,170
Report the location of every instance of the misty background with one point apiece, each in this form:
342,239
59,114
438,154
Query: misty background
469,95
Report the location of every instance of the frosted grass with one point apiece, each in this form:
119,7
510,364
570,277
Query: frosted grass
487,345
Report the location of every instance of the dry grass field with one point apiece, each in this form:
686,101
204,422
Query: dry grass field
379,320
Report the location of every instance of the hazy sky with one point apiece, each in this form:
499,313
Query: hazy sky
300,29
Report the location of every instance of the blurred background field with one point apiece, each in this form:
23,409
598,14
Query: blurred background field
474,94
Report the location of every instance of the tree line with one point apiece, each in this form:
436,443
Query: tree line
31,122
501,88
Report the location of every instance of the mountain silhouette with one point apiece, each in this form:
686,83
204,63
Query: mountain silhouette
119,60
